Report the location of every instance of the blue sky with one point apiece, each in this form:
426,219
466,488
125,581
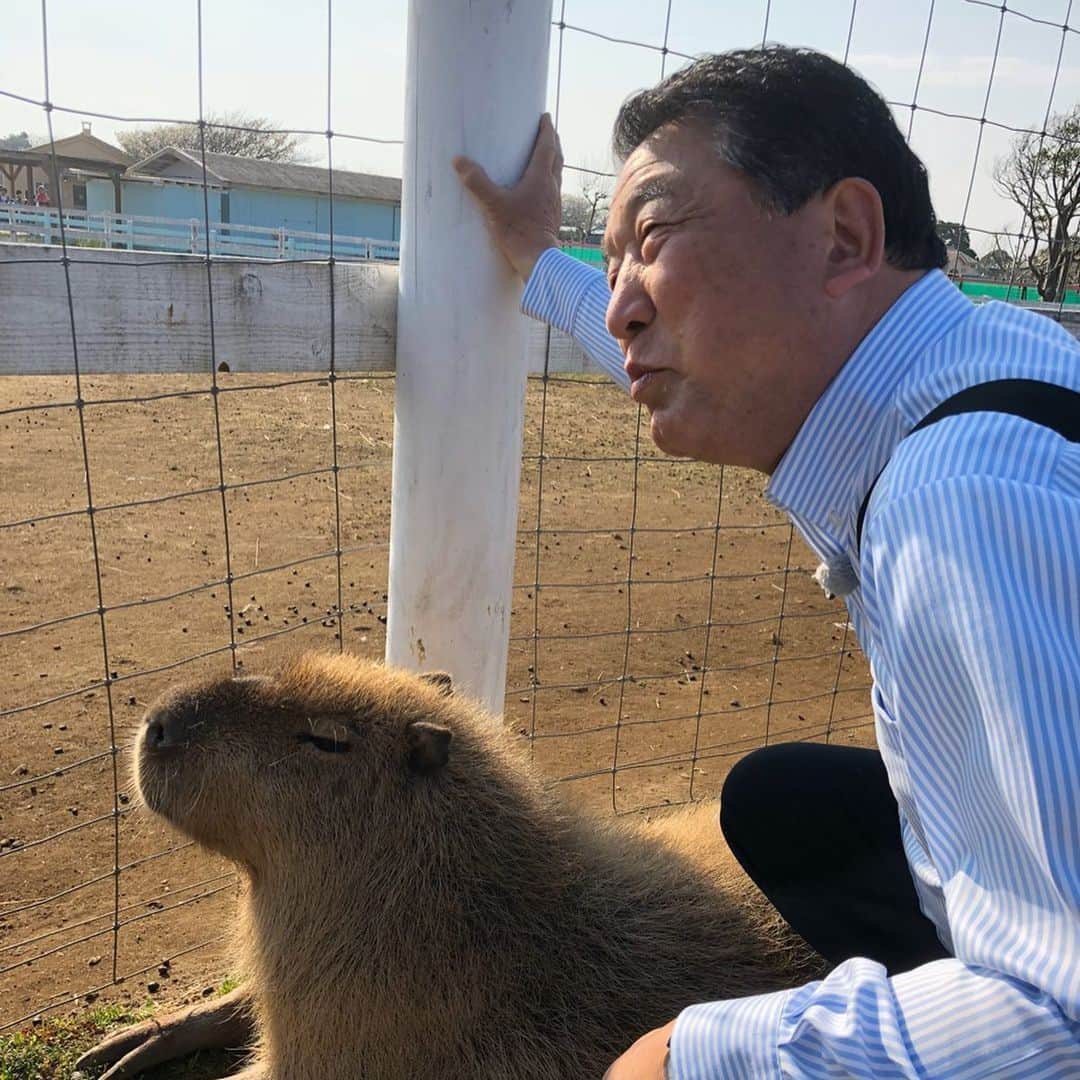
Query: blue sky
135,58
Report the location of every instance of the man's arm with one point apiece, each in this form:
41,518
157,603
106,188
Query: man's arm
945,1021
523,221
572,296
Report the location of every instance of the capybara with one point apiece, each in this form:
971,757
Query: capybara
418,905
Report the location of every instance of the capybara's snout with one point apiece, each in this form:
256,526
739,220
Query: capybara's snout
172,726
189,716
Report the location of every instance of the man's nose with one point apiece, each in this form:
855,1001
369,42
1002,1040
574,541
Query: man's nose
630,309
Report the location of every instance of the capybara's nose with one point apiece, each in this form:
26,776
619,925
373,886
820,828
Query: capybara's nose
170,727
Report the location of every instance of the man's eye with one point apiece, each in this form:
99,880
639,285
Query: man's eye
649,232
330,746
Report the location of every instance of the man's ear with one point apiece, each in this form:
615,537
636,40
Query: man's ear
429,747
440,680
857,243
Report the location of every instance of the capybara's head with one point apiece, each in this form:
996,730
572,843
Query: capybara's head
265,768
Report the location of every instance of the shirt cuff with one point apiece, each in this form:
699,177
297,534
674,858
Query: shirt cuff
555,288
734,1039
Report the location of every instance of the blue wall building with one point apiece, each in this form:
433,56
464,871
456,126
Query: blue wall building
247,191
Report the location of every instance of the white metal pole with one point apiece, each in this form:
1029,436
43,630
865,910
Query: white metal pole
476,81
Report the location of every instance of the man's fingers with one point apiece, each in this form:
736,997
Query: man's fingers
546,155
546,158
476,181
556,163
521,217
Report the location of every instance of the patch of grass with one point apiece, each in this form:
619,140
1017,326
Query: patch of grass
202,1065
50,1050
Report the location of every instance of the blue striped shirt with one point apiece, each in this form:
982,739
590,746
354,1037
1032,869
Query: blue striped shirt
967,603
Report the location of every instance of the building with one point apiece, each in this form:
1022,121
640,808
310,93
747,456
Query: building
248,191
961,265
69,164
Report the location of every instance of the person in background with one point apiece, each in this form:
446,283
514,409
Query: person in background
774,298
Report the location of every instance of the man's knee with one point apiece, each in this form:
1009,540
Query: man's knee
752,785
790,784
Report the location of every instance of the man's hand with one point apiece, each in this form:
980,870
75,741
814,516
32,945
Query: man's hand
645,1059
524,219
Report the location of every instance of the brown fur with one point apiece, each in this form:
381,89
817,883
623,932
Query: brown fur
424,908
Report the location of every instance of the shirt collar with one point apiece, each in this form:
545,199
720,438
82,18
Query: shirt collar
852,430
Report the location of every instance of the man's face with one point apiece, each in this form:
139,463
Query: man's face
715,302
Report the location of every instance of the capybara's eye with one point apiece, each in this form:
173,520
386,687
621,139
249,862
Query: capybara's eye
331,746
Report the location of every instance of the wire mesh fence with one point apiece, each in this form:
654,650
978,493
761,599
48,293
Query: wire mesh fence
175,517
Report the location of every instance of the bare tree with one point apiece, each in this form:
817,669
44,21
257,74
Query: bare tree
582,214
226,133
575,217
596,191
1041,174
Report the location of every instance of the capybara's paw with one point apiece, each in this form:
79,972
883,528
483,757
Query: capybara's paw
224,1023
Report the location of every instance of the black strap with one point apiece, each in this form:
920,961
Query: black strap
1052,406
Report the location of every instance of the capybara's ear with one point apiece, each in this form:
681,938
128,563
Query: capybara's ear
429,747
441,680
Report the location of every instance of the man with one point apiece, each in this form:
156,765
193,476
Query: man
775,299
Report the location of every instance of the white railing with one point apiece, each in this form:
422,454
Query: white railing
136,233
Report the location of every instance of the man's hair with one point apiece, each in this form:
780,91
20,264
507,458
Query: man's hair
794,122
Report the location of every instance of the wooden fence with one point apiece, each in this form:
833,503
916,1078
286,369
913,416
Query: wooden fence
132,232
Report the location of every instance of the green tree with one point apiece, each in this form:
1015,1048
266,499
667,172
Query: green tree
1042,176
999,262
955,235
226,133
15,141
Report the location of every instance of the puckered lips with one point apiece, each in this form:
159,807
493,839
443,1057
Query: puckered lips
642,378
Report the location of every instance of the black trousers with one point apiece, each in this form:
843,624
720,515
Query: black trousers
817,829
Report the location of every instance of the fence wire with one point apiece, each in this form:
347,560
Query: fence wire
665,621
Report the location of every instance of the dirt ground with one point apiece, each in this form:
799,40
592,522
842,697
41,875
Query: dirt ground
723,639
